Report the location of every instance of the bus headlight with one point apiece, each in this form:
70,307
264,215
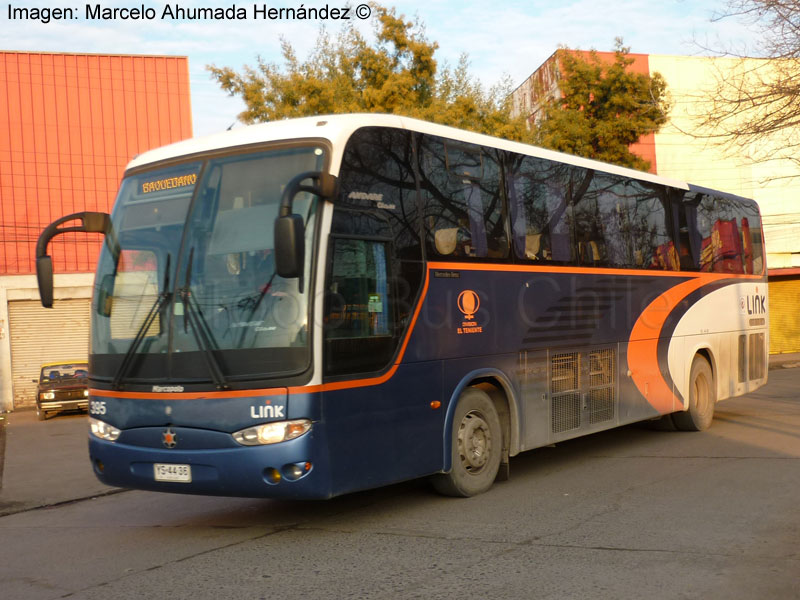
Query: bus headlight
48,395
103,430
272,433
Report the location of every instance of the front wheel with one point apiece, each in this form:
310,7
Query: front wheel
702,398
476,446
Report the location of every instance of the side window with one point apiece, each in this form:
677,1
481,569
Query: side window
631,222
723,233
377,174
650,230
752,244
463,215
375,252
359,316
587,223
538,203
718,239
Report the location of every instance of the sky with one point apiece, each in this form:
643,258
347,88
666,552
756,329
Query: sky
501,38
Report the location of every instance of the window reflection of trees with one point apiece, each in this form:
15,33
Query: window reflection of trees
379,162
463,212
558,213
578,216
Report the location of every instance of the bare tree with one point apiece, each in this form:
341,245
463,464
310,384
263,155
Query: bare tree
758,100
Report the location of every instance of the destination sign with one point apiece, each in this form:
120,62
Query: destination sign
168,183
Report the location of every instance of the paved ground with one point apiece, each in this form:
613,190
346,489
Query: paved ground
625,514
46,463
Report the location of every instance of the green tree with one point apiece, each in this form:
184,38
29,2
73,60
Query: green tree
600,108
398,74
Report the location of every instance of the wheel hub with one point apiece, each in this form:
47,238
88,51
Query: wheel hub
474,442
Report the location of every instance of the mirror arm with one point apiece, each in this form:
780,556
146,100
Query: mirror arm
324,186
91,222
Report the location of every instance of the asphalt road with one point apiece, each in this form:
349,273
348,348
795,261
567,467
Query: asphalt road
632,513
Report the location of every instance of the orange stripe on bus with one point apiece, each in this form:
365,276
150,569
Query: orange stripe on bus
643,344
188,395
558,270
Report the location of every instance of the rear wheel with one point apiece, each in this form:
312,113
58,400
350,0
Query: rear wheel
476,446
702,398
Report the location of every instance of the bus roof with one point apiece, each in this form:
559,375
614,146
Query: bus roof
338,128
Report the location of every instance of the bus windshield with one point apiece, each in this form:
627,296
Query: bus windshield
189,272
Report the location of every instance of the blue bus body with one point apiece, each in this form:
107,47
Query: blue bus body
573,297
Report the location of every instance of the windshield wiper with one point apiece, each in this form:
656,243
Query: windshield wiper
194,317
264,289
163,298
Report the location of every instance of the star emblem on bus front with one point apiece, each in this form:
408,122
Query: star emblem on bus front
170,438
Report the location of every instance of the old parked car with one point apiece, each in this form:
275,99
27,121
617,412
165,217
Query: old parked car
62,386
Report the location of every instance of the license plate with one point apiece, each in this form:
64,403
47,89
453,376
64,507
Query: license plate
167,472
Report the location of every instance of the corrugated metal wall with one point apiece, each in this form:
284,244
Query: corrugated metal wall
784,316
69,123
41,335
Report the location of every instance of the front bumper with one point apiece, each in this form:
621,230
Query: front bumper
242,471
54,405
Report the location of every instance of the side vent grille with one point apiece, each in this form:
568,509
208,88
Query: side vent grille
583,389
757,356
602,366
565,392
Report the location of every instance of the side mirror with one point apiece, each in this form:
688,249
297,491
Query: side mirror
289,246
105,296
44,277
289,228
91,222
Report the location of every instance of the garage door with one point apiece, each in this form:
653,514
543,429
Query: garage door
41,335
784,320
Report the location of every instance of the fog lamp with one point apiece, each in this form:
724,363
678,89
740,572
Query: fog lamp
272,476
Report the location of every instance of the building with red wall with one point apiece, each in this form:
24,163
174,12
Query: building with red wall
542,85
69,123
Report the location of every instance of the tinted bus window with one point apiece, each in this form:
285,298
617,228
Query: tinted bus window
753,244
377,173
538,206
375,255
359,313
719,234
463,208
588,228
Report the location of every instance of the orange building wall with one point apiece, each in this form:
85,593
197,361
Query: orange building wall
544,80
69,123
646,146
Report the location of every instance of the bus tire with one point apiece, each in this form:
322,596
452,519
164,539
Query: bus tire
476,447
702,398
